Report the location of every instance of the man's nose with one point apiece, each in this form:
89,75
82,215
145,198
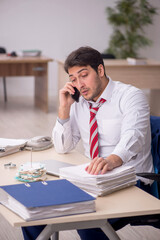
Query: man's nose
80,83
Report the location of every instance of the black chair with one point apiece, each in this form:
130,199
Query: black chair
3,51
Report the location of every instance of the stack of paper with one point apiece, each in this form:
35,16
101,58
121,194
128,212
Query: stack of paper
31,53
38,200
100,184
9,146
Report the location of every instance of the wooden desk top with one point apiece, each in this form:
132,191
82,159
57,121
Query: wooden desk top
123,63
7,59
131,201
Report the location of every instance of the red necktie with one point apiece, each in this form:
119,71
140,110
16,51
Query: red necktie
94,129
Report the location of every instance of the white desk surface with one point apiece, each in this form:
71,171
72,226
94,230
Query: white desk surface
131,201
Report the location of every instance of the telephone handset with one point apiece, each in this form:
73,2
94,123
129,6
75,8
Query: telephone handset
76,95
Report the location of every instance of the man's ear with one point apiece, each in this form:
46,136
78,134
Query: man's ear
101,70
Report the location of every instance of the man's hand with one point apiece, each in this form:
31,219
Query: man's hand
101,165
65,100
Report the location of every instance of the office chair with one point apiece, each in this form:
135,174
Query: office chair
155,148
3,51
154,219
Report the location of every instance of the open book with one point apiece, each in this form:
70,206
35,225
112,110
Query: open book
100,184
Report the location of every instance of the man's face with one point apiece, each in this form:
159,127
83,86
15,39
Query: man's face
87,81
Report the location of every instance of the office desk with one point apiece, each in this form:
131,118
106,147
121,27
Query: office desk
128,202
142,76
29,66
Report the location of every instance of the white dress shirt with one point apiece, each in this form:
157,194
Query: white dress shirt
123,127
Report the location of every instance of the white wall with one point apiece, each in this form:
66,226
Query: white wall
57,27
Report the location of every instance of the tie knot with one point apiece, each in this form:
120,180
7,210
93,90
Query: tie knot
94,110
101,101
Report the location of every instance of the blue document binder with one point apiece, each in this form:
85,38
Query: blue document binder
46,199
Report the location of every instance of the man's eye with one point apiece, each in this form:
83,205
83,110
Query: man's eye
85,75
73,80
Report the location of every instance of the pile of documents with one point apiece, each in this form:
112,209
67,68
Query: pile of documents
30,53
38,143
38,200
100,184
9,146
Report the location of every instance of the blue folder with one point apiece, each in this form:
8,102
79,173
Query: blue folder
39,195
56,192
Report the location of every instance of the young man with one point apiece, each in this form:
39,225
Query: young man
111,118
123,121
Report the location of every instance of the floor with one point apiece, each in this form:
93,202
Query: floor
19,119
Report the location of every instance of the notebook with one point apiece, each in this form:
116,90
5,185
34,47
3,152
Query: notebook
53,166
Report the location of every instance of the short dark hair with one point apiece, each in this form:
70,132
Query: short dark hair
84,56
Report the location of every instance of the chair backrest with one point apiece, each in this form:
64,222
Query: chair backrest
155,147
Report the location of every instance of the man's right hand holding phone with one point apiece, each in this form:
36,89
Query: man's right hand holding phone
65,100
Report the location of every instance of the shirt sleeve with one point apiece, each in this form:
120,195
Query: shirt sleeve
135,125
62,121
65,134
